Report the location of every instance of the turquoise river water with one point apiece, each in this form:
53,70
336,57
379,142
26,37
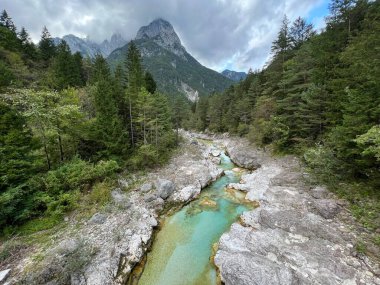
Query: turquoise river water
182,250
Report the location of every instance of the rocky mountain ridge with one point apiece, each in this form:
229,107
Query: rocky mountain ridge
89,48
174,69
234,75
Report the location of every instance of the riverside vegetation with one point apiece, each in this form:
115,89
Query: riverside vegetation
318,97
68,124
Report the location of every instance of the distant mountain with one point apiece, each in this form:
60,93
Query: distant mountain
107,47
173,68
234,75
89,48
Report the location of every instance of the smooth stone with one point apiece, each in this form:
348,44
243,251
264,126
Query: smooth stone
97,218
146,187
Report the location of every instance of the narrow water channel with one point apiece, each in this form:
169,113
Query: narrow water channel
182,248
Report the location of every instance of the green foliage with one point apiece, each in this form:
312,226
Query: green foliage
178,69
57,147
66,69
46,45
145,156
370,141
75,174
100,194
317,97
16,146
149,83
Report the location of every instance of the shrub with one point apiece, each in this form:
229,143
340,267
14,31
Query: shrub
145,156
100,194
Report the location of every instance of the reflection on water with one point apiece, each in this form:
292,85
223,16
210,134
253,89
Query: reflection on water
182,249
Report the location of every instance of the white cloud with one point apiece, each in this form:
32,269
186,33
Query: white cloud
234,34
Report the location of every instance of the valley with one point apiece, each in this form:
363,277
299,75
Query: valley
128,160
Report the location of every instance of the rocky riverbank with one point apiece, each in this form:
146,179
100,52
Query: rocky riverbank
105,248
296,236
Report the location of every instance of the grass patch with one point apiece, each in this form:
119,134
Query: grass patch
39,224
9,250
100,194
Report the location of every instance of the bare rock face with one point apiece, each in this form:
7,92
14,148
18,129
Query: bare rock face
294,237
162,33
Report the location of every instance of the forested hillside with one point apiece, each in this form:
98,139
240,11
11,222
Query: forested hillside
66,124
176,72
317,97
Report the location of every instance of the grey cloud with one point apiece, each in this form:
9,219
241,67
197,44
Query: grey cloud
215,32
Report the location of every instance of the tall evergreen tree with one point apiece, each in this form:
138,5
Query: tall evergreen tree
134,84
110,131
149,83
46,45
300,32
7,22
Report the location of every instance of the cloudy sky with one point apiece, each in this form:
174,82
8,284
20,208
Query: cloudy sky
234,34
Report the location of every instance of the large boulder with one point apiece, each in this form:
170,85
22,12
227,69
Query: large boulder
244,159
187,193
164,188
327,208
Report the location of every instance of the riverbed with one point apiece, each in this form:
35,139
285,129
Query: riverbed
183,248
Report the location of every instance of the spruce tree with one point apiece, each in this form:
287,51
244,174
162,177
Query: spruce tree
300,32
46,45
134,84
149,83
7,22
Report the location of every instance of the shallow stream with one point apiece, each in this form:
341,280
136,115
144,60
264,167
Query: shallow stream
182,250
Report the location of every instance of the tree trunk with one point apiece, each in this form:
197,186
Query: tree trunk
61,155
47,157
156,133
145,142
130,119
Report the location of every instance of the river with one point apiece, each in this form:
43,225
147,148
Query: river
183,248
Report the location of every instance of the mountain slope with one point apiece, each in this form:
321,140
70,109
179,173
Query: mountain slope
88,48
173,68
234,75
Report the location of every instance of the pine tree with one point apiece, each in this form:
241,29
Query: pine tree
282,44
46,45
135,82
7,22
109,127
149,83
300,32
16,146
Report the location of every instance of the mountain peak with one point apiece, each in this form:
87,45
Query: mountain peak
162,33
234,75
